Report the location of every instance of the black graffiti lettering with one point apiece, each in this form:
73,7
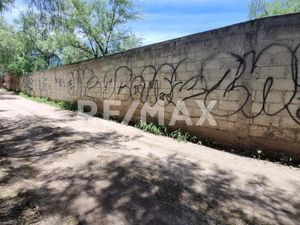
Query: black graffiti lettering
153,84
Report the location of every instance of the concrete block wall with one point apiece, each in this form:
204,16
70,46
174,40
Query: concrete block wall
251,69
9,82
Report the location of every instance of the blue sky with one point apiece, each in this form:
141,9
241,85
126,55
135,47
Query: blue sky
166,19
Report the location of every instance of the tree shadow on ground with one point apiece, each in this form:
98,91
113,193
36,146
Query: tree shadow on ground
149,191
7,96
34,136
124,189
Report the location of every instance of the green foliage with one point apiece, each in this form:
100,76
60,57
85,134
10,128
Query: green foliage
264,8
59,104
256,8
12,50
4,4
98,27
16,55
71,55
259,154
180,135
51,33
39,35
50,6
163,131
152,128
8,44
66,105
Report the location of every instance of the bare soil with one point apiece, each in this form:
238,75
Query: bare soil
59,168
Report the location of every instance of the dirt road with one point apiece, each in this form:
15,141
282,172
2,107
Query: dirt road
59,168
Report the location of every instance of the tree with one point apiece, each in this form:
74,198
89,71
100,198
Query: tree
98,27
4,4
45,5
29,49
263,8
12,51
256,8
50,6
66,31
39,34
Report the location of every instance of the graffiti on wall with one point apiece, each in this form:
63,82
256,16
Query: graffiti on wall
28,83
240,78
247,66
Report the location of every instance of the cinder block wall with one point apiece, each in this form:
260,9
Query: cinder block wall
251,69
9,82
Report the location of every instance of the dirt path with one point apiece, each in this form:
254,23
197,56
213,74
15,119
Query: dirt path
58,168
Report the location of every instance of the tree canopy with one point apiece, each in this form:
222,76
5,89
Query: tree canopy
46,5
97,28
264,8
4,4
51,33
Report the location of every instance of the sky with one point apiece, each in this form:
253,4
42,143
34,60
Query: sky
167,19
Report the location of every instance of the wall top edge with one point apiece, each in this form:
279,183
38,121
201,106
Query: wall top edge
251,23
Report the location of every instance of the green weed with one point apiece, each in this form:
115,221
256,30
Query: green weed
163,131
59,104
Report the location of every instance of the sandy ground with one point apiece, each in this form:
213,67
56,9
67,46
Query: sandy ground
60,168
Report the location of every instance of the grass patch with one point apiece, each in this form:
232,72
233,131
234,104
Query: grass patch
164,131
58,104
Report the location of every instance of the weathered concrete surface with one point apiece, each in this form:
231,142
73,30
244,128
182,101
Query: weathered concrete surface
251,69
9,82
58,168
